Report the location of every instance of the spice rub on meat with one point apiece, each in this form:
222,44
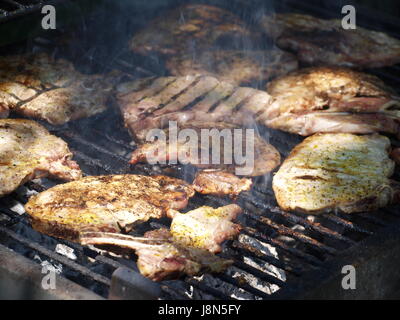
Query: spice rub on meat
111,203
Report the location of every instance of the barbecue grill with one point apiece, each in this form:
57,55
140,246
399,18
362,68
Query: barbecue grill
278,254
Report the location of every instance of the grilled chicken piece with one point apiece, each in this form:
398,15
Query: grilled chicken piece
41,87
331,99
151,103
29,151
105,203
161,258
189,28
338,171
318,41
261,156
220,183
234,66
205,227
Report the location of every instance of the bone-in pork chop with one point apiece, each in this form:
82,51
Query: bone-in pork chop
29,151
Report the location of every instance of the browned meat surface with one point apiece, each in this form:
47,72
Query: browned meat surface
151,103
41,87
331,99
337,171
206,227
29,151
105,203
317,41
220,183
189,28
262,157
162,258
234,66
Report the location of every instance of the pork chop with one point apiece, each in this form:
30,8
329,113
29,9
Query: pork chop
222,152
41,87
29,151
105,203
321,42
161,258
238,67
331,99
220,183
151,103
206,227
189,28
338,171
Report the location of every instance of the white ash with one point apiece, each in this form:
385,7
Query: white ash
65,251
17,207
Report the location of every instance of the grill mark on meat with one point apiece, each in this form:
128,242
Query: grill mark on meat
220,93
239,95
204,85
169,94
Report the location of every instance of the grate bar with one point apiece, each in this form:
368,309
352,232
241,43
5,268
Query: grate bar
54,256
255,253
283,230
261,237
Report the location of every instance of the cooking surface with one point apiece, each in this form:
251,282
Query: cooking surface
275,250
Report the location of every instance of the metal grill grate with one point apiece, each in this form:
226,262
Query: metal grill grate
275,250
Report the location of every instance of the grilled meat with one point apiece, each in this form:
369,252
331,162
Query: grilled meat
263,155
41,87
331,99
29,151
105,203
161,258
318,41
151,103
220,183
338,171
189,28
205,227
233,66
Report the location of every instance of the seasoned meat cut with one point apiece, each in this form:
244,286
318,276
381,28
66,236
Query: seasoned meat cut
159,256
151,103
338,171
238,67
331,99
189,28
325,42
111,203
206,227
221,153
41,87
29,151
220,183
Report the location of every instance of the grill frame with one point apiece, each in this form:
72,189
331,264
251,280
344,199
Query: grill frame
304,282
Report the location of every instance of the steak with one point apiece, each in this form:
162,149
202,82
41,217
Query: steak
160,257
111,203
234,66
220,183
331,99
151,103
192,27
29,151
206,227
338,171
321,42
222,152
41,87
